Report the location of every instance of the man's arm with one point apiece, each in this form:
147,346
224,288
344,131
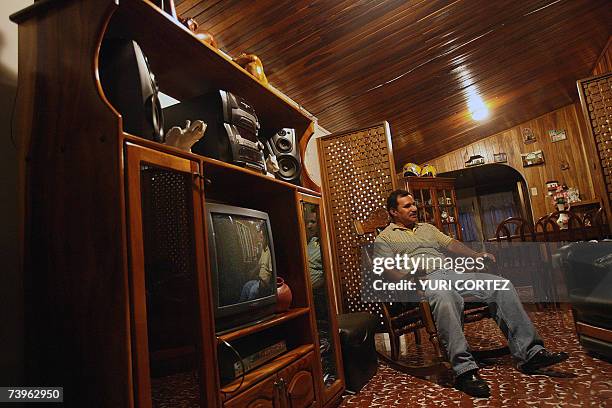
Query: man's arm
383,250
460,249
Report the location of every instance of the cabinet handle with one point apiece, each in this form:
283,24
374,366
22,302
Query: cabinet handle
279,393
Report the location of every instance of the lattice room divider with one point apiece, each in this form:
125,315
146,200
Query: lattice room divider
358,173
596,99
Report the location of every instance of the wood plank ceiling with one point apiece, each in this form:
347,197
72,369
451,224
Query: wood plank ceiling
353,63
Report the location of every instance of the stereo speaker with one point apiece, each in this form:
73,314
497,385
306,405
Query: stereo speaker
130,87
284,145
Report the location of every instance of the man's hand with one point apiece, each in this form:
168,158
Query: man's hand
488,256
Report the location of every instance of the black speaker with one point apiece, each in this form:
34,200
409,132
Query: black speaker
284,145
130,87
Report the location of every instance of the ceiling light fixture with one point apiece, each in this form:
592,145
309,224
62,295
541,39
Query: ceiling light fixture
476,105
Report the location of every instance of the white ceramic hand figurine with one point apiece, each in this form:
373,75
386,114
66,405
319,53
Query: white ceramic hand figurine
185,138
272,164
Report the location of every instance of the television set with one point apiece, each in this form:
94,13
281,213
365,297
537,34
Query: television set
243,265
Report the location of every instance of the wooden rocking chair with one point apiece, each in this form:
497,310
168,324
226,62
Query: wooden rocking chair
402,318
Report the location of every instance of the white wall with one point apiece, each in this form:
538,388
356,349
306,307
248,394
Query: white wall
11,282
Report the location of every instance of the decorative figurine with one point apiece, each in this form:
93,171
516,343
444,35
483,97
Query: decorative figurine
551,186
253,65
475,160
204,36
185,138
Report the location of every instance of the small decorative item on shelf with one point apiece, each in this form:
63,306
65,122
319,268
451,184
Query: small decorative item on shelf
475,160
573,195
204,36
556,135
444,216
253,65
271,166
528,135
427,170
563,197
411,169
187,137
533,158
283,295
551,186
500,158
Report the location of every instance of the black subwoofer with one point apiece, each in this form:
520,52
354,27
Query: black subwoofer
358,350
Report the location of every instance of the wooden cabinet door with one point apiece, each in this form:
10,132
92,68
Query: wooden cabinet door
299,383
263,395
171,321
329,371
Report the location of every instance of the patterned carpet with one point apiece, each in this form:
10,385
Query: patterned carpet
591,386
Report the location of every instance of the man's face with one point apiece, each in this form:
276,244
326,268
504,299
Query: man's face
312,226
406,212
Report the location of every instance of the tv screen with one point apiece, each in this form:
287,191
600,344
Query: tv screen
243,265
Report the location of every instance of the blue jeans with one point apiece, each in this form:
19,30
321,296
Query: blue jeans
447,309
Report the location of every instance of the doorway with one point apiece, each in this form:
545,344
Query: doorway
487,195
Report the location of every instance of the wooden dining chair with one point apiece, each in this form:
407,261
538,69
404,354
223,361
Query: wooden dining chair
547,230
401,318
595,224
514,229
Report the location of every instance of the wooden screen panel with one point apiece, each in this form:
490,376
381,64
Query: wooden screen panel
358,173
596,100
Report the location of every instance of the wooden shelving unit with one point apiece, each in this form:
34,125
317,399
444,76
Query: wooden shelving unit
103,321
278,319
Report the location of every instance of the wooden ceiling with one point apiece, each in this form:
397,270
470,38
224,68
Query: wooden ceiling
353,63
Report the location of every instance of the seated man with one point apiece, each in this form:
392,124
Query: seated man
406,236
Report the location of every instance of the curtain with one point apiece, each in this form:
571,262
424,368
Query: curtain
496,208
467,219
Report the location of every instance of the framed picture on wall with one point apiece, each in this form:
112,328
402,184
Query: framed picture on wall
500,158
556,135
528,135
533,158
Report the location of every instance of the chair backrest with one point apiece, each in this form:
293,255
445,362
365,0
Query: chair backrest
374,223
575,225
595,219
514,228
547,229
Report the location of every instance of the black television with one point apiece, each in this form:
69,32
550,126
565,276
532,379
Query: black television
243,265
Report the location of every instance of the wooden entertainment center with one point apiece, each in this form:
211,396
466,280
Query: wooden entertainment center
119,300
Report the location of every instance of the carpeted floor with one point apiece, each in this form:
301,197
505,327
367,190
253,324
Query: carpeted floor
591,386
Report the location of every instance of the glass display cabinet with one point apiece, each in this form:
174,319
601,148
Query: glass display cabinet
436,202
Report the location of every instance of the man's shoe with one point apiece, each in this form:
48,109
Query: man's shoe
472,384
541,359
